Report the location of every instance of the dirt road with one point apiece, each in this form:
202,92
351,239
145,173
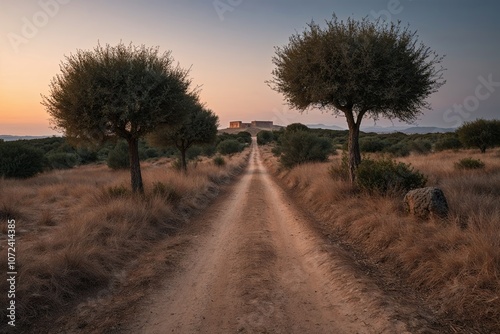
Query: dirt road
259,267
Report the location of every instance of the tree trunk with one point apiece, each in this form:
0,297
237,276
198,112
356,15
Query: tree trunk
354,154
183,159
135,166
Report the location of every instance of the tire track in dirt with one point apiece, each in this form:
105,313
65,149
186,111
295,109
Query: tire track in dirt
260,268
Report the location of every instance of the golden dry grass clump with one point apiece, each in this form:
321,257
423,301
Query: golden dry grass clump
454,262
77,230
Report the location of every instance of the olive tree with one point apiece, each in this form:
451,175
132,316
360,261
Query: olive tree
480,133
357,69
117,91
199,127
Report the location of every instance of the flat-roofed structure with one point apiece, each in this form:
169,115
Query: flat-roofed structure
253,124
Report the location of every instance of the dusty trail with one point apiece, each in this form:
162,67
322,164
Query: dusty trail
260,268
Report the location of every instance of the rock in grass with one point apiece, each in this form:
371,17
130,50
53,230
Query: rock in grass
426,202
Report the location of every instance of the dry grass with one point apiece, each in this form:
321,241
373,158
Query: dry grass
78,230
454,263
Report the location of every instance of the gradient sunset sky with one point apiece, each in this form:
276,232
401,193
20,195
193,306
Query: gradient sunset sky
229,45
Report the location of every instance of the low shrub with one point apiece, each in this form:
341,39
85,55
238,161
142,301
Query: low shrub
219,161
371,145
118,157
230,146
264,137
469,163
387,176
193,152
300,147
399,150
421,146
450,142
61,160
19,161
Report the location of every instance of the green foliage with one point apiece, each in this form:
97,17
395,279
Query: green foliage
193,152
230,146
121,91
469,163
299,147
371,145
118,157
244,137
209,150
294,127
356,69
20,161
219,161
199,127
152,152
480,133
399,149
385,176
264,137
421,146
276,151
62,160
448,142
86,155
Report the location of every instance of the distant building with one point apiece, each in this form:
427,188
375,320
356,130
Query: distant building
235,125
253,124
262,124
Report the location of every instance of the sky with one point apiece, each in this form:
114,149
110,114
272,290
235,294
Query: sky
229,45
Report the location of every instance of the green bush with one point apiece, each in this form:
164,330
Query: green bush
300,146
209,150
421,146
264,137
152,153
19,161
371,145
296,127
118,157
86,155
276,151
193,152
230,146
62,160
450,142
244,137
469,163
219,161
386,175
399,149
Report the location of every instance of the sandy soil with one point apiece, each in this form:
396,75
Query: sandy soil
258,266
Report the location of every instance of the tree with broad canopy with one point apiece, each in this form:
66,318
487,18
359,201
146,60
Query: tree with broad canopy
118,91
199,127
357,68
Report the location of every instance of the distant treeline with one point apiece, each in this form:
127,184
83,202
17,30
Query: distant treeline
25,158
480,134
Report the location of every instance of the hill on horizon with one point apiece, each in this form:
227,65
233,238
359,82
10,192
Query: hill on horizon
13,138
